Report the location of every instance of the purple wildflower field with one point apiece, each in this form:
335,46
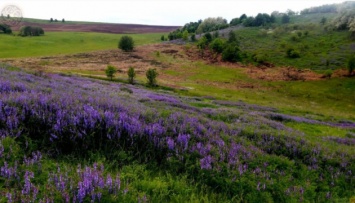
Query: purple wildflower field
235,149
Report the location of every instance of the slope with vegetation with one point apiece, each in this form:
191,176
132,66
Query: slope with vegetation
72,139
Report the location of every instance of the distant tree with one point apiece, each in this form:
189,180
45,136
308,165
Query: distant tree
193,37
110,71
242,18
232,37
31,31
351,64
208,37
217,45
8,15
215,35
202,43
285,19
212,24
323,21
51,20
290,12
126,43
162,38
5,28
131,75
55,20
231,53
151,75
63,20
235,21
185,35
249,22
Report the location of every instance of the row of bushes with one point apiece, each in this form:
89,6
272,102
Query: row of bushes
31,31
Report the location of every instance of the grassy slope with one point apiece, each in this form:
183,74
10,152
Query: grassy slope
54,43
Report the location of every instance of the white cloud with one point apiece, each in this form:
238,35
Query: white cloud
158,12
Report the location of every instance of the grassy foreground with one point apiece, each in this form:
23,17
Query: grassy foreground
54,43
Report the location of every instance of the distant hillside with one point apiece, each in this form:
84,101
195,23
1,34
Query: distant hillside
94,27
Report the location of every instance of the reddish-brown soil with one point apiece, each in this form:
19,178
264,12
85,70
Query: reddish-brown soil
99,27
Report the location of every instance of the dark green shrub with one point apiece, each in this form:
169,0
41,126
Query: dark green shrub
193,37
202,43
208,36
162,38
131,75
5,28
31,31
231,53
126,43
351,64
292,53
152,77
218,45
110,71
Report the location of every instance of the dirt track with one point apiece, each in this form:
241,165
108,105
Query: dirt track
99,27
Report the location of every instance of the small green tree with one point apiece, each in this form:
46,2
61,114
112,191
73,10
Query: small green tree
131,75
8,15
285,19
218,45
110,71
63,20
351,64
185,35
51,20
162,38
231,53
126,43
152,77
323,21
193,38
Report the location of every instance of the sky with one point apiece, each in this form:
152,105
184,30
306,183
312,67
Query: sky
154,12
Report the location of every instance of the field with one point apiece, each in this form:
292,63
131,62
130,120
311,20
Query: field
54,43
212,131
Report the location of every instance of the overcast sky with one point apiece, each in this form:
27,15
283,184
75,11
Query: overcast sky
154,12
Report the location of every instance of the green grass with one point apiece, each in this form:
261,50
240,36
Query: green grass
315,48
54,43
326,98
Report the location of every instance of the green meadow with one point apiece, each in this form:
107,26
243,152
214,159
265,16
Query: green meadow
56,43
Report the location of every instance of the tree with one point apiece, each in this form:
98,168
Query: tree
31,31
152,77
110,71
185,35
193,37
8,15
351,64
63,20
131,75
162,38
235,21
5,28
323,21
208,36
231,53
218,45
285,19
55,20
212,24
51,20
126,43
232,37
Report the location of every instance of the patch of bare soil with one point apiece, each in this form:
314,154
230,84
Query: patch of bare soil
96,62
